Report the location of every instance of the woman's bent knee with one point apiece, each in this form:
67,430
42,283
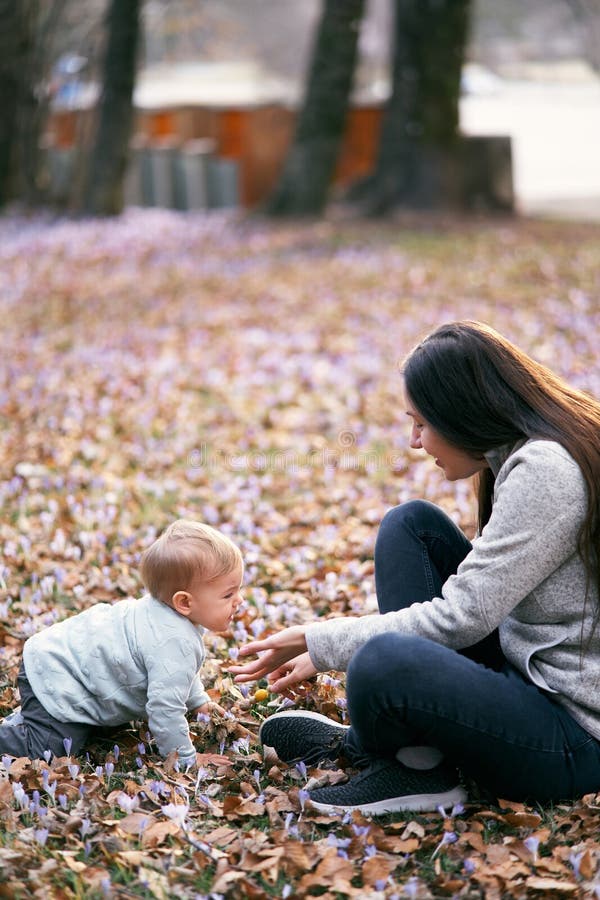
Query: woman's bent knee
411,512
383,675
387,657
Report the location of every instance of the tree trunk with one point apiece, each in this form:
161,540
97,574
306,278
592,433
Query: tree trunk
11,57
103,193
27,29
587,15
19,99
308,169
417,159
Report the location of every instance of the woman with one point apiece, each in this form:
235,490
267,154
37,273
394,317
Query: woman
484,657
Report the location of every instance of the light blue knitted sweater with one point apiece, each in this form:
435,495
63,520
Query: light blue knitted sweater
114,663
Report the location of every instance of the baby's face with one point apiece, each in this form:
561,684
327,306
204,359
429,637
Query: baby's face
213,604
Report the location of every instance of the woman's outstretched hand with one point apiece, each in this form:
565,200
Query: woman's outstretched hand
283,657
286,676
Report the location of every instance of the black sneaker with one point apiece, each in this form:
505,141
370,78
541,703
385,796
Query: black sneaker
387,786
298,735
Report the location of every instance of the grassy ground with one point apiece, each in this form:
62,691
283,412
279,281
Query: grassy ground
165,365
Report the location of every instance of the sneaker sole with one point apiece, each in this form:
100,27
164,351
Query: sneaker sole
299,714
414,803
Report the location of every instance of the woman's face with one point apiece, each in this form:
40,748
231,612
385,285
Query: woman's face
455,462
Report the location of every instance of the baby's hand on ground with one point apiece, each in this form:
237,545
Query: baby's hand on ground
207,708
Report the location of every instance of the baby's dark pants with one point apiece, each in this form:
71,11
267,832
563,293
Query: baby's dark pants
40,731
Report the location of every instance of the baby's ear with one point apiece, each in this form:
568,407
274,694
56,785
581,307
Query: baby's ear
181,602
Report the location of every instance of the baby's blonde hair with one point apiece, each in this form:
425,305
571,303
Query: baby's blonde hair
184,550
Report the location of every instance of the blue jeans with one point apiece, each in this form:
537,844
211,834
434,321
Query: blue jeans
512,738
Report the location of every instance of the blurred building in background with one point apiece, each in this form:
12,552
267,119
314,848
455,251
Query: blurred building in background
221,80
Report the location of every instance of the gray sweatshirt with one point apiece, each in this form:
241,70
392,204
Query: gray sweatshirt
114,663
523,575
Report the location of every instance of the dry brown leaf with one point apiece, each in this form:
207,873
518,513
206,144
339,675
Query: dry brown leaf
131,857
267,863
508,806
134,823
377,868
280,801
158,832
449,886
250,806
547,887
523,819
332,869
19,768
489,814
542,834
411,829
587,865
518,849
7,797
13,889
474,839
396,844
94,876
497,854
224,882
155,882
337,883
74,865
513,870
299,857
221,836
212,759
234,807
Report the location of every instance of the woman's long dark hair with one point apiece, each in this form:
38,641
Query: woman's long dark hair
479,391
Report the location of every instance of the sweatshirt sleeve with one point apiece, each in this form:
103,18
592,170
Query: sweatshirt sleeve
197,696
172,675
536,517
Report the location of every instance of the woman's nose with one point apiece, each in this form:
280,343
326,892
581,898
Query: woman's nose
415,438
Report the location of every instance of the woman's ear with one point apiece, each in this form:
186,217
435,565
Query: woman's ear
180,602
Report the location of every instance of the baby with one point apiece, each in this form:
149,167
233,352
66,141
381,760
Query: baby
132,659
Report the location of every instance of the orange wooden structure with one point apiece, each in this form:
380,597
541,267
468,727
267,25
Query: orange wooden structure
256,137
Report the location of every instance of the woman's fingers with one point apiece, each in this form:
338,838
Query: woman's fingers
291,639
282,685
252,671
256,647
276,650
298,670
248,668
274,676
